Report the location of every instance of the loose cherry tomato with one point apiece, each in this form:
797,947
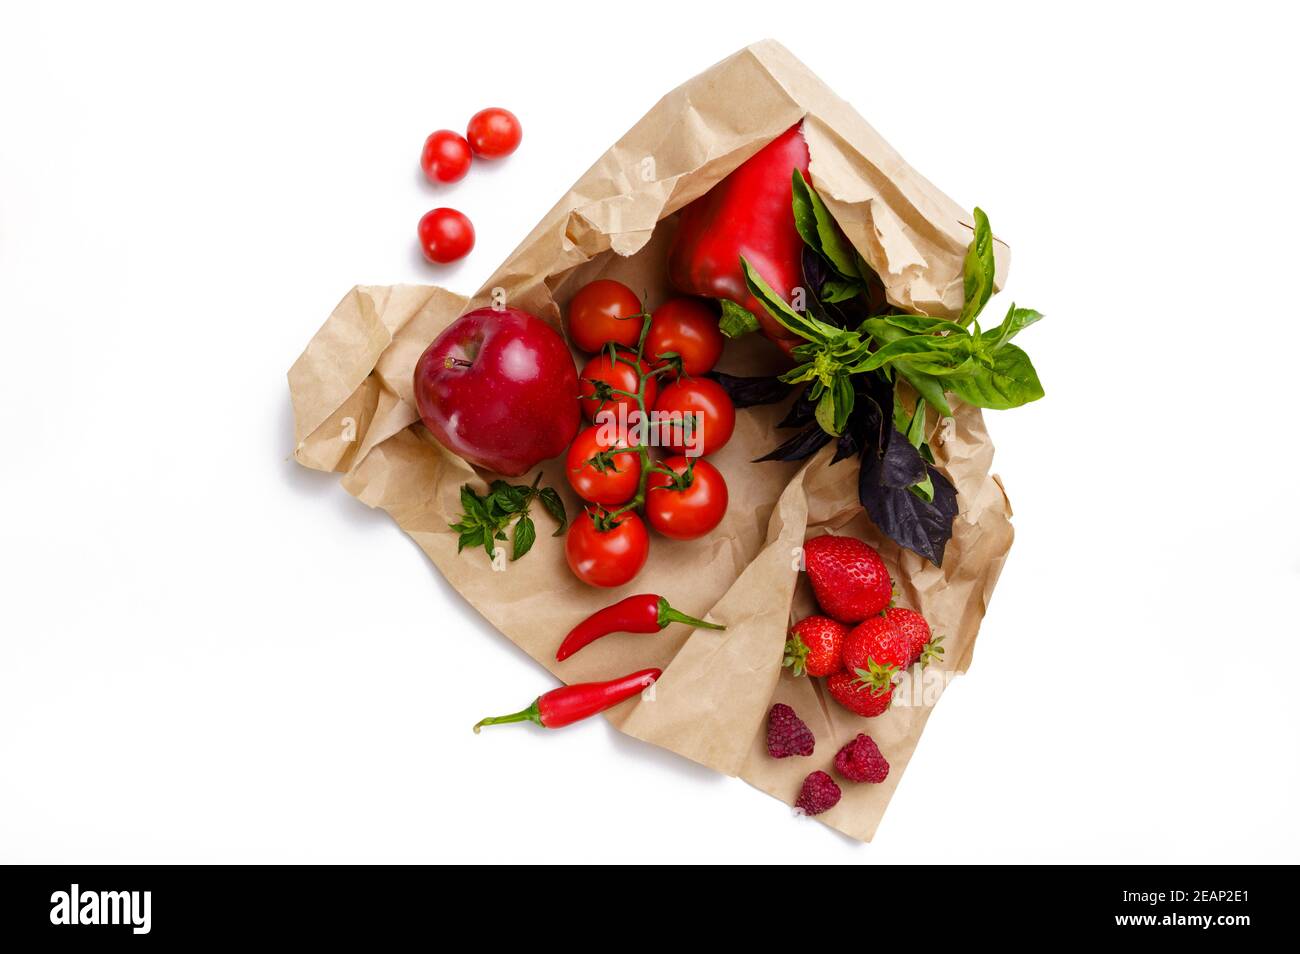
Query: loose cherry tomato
606,557
446,156
688,505
686,397
445,235
600,374
688,327
494,132
604,311
602,467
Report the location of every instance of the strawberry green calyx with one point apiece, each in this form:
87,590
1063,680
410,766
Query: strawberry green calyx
931,651
876,677
796,655
668,616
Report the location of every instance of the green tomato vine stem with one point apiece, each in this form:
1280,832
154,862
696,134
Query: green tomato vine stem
642,448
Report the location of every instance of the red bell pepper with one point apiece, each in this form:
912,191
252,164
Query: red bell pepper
748,213
568,704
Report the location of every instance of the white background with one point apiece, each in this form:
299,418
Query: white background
212,654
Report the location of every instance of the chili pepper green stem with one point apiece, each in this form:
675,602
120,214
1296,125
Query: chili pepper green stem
668,615
531,714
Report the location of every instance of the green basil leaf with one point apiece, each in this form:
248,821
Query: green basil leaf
805,220
524,535
736,320
881,331
474,506
825,413
555,507
916,427
900,415
943,364
507,499
800,373
926,385
921,350
924,490
787,317
817,227
977,269
913,324
834,290
1007,380
469,538
1016,321
916,437
842,390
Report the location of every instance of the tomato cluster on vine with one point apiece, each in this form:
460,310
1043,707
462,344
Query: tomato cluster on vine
644,388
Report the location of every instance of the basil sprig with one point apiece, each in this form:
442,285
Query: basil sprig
935,355
854,351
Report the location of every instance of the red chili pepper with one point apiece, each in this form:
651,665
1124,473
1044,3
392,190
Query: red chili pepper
567,704
645,613
748,213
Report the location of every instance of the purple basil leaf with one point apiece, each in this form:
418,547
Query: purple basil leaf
816,272
749,392
905,518
901,465
804,444
846,446
801,411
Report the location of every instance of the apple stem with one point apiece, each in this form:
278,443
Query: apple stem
452,362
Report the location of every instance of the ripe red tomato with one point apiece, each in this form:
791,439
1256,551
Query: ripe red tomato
688,396
445,235
446,156
688,327
686,507
618,375
606,557
604,311
601,470
494,132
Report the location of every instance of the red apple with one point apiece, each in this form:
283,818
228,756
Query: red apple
499,389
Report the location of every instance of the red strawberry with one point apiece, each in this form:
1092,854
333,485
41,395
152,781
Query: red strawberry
814,646
861,761
787,734
849,578
917,632
878,648
819,793
857,696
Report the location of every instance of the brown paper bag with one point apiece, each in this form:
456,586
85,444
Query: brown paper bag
354,413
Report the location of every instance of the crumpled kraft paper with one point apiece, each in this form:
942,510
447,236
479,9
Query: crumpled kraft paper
354,413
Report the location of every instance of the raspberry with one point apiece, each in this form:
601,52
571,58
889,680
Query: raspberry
861,761
787,734
818,794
